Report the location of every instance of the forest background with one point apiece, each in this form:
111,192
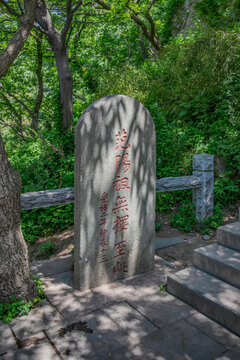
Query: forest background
180,58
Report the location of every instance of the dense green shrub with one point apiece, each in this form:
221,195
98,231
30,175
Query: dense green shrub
46,221
192,92
185,219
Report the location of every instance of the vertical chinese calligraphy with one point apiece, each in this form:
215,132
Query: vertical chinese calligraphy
120,209
103,232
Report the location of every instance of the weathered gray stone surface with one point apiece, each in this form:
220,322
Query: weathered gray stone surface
45,198
233,354
34,352
214,330
72,303
106,336
40,318
229,235
178,341
203,162
177,183
141,322
161,243
114,191
213,297
170,311
220,261
52,266
130,320
203,166
6,338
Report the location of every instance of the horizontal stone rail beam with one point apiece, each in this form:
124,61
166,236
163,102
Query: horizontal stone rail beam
40,199
178,183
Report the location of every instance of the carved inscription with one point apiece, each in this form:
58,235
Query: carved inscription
120,207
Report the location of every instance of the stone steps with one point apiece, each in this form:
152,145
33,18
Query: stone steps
220,261
229,235
212,285
211,296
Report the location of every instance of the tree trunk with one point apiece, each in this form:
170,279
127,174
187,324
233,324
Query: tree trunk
15,278
65,86
38,102
57,40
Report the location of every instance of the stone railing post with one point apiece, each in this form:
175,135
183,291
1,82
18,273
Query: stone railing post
203,167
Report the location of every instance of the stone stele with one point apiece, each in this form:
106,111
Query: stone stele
114,215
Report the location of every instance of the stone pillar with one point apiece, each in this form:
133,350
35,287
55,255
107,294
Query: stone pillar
203,167
114,214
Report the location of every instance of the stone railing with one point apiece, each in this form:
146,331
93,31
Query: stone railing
201,181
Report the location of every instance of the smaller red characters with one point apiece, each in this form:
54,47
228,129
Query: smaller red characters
120,267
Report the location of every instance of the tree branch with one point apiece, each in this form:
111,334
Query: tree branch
38,101
9,9
16,113
19,38
77,6
150,35
16,98
152,2
68,21
20,6
152,24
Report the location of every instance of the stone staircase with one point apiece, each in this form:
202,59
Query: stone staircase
212,285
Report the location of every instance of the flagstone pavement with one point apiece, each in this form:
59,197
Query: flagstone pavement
128,319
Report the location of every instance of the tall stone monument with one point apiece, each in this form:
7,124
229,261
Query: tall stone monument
114,216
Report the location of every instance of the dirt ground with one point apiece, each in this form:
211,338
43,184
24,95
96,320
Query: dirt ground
180,255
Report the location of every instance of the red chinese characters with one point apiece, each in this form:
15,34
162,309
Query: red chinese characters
121,140
124,162
103,232
120,209
120,205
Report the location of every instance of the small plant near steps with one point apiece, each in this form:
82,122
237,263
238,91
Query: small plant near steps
163,288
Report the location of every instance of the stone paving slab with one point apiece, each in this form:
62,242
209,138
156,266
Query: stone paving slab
40,318
162,308
130,320
161,243
52,266
41,351
106,337
6,338
214,330
233,354
70,302
178,341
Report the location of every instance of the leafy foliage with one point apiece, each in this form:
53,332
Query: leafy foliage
185,219
47,249
191,88
18,307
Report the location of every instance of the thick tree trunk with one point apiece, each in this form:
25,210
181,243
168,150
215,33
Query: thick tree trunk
65,86
15,278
